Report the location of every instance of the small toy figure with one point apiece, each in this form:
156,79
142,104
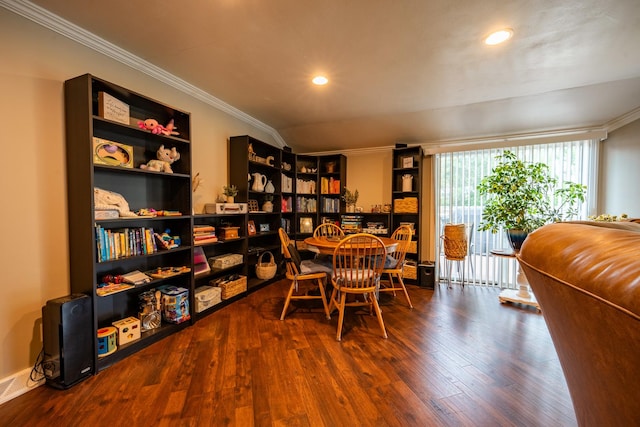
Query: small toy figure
166,240
165,158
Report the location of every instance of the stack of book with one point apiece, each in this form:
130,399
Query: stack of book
352,223
204,234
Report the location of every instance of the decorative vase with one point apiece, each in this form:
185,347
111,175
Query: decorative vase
516,238
351,207
267,206
269,188
229,199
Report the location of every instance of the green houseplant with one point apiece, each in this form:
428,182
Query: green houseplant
350,199
230,191
523,196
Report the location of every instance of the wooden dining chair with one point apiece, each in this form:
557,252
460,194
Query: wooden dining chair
302,272
328,229
394,263
357,265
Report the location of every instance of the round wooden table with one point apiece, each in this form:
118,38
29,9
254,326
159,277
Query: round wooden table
326,245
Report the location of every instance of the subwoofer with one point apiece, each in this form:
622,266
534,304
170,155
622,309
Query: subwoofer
68,340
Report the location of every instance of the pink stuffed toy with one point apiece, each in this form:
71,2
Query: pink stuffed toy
156,128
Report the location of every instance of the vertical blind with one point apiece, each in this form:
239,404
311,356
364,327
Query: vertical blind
457,176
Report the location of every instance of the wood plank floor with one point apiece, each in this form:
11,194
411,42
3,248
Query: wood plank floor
459,358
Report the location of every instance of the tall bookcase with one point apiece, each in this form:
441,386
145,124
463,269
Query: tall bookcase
332,176
406,194
99,116
306,201
249,161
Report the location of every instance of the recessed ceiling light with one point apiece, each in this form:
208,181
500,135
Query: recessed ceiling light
499,36
320,80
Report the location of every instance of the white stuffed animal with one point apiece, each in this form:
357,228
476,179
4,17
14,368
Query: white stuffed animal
165,158
104,199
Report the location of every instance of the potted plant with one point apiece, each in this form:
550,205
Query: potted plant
523,196
230,191
350,199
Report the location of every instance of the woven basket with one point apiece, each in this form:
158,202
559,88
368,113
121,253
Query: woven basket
410,270
266,270
406,205
232,288
455,241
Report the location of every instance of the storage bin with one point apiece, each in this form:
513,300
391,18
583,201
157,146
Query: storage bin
230,286
406,205
207,296
410,270
427,275
225,261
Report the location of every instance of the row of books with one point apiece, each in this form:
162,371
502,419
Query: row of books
306,205
204,234
125,242
329,185
330,204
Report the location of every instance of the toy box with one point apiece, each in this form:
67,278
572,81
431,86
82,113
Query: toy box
128,330
175,304
207,296
111,153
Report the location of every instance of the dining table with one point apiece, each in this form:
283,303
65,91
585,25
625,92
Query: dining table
327,244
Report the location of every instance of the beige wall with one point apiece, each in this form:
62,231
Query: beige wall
620,172
35,63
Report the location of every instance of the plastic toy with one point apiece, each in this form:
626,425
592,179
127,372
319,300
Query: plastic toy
165,158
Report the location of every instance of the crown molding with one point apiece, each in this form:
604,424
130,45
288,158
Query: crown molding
67,29
623,120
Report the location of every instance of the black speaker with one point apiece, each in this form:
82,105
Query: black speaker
68,339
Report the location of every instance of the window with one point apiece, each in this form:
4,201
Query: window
457,176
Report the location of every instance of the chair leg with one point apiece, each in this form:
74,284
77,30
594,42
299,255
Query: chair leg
404,288
324,298
449,267
391,284
287,301
332,301
376,308
343,300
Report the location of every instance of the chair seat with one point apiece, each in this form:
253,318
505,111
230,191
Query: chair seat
310,266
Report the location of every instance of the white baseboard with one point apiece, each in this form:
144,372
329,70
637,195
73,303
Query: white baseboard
16,385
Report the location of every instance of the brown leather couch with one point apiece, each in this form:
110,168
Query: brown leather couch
586,277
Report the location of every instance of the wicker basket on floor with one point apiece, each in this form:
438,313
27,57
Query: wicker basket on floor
455,241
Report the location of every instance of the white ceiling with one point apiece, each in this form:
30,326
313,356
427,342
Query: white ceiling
400,71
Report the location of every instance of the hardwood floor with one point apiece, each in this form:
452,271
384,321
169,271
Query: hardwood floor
459,358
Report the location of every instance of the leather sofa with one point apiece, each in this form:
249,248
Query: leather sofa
586,278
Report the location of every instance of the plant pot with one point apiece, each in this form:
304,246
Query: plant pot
351,208
229,199
516,238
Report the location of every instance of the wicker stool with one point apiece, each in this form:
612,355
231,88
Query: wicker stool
455,247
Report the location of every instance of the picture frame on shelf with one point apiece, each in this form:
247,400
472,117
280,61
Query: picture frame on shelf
407,162
306,225
264,228
111,108
251,227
